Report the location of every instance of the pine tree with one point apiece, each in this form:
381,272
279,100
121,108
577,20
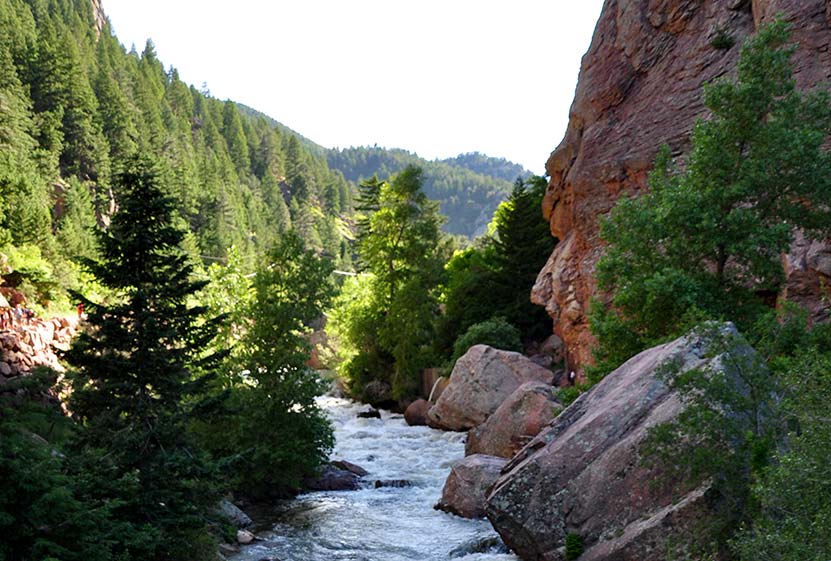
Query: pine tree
136,376
522,244
77,224
235,137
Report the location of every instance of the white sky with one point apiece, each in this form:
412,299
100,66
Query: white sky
437,77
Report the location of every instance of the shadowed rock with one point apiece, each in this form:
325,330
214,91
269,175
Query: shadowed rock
468,484
416,413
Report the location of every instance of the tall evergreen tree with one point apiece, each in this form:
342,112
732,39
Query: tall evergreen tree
494,279
522,244
137,376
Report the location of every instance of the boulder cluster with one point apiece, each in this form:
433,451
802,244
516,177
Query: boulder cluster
503,399
28,346
542,473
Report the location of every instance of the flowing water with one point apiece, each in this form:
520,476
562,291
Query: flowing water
385,524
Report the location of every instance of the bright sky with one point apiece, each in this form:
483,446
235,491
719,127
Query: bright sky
436,77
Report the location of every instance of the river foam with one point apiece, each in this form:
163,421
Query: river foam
384,524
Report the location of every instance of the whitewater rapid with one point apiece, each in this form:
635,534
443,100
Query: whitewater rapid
384,524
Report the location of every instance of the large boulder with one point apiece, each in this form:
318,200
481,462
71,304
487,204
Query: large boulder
584,475
468,484
438,389
521,417
481,380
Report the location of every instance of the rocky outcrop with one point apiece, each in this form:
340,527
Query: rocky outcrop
34,344
481,380
640,87
468,484
519,418
99,17
584,475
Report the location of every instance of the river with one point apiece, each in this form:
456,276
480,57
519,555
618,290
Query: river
385,524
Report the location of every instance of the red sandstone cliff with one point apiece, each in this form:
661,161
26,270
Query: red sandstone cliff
640,87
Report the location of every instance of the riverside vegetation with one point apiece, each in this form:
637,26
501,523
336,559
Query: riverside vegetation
201,238
119,182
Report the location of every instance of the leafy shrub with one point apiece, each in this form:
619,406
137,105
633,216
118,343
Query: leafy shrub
721,39
495,332
569,394
574,546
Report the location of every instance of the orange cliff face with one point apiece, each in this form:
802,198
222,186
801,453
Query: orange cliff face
639,88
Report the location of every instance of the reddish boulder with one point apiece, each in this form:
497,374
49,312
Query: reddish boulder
639,88
467,485
481,380
416,413
520,418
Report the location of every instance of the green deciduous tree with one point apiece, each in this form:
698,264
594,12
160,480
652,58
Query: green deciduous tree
275,433
793,517
401,247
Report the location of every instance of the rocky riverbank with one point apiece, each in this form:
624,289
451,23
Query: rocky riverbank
541,473
37,343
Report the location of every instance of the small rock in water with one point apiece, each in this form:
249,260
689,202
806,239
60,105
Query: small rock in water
370,413
333,479
244,537
392,483
349,466
416,413
489,544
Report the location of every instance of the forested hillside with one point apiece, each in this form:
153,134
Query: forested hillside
499,168
74,105
468,187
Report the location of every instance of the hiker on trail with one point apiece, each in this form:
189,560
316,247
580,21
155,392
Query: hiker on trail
18,314
80,308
